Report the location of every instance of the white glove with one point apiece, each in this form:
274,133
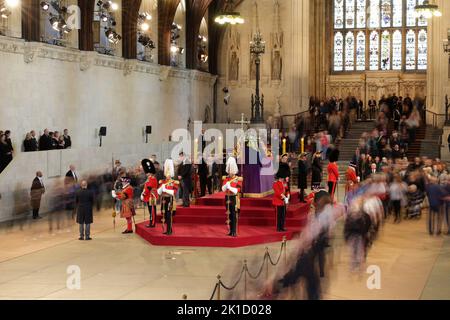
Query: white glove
161,189
142,197
224,188
171,192
114,194
286,200
233,190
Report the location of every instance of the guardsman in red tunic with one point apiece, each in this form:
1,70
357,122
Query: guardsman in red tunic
168,189
280,200
127,210
150,193
351,177
232,185
333,172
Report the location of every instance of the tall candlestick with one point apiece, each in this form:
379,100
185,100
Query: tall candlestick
284,146
220,149
303,145
196,151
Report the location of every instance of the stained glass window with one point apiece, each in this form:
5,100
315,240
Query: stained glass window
361,51
386,13
397,13
385,50
397,50
350,13
338,14
338,51
374,11
361,13
410,13
379,35
422,50
349,51
374,50
410,50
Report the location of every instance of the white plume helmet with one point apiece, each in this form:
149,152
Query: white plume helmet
169,168
232,167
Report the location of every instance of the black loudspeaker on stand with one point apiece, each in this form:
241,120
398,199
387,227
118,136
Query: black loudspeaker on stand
148,130
102,133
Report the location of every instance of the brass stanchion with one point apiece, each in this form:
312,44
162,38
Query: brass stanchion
285,249
266,256
218,287
245,279
184,297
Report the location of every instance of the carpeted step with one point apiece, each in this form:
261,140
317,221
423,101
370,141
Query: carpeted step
219,211
249,221
219,200
213,235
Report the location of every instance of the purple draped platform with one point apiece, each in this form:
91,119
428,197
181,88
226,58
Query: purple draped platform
259,177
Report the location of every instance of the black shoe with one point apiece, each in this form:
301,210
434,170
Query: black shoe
127,231
149,226
88,238
80,238
234,235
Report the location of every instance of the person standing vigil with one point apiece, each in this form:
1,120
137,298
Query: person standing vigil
84,201
37,190
302,176
185,176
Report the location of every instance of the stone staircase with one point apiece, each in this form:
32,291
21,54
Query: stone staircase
348,145
428,143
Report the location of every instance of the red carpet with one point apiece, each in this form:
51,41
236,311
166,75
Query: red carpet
204,224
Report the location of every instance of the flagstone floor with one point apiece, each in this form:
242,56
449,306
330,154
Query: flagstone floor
34,263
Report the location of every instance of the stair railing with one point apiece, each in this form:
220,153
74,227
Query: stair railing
437,119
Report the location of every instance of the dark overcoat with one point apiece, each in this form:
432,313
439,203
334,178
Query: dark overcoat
84,200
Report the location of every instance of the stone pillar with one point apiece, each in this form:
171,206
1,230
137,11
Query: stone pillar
299,62
438,75
320,46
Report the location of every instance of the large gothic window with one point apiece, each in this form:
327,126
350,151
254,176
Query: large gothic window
378,35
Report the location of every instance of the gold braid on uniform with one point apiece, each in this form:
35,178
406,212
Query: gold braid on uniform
228,206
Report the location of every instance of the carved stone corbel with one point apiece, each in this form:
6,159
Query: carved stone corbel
164,73
86,61
128,67
29,52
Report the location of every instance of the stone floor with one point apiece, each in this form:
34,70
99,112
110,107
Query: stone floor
34,263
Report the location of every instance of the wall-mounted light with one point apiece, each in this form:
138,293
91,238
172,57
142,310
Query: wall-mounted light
6,6
427,10
447,43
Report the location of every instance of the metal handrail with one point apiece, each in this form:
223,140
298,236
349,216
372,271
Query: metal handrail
435,118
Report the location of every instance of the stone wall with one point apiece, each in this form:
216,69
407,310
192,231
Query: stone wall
284,25
45,86
438,76
15,181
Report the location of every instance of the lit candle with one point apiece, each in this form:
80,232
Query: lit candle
303,145
195,151
284,146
